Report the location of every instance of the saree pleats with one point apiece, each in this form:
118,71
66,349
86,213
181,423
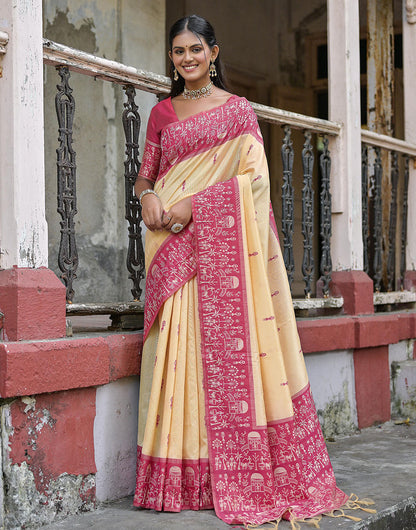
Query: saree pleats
226,417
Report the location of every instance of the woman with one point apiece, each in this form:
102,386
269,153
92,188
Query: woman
226,419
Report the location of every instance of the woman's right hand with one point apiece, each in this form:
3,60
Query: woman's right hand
152,212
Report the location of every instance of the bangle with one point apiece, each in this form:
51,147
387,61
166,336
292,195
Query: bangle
145,192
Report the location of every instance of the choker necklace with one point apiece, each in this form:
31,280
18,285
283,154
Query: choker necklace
199,93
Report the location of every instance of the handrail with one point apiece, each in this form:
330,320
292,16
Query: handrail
297,121
85,63
387,142
57,54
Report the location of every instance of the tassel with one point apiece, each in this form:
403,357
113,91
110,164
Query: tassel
314,521
354,503
294,524
356,519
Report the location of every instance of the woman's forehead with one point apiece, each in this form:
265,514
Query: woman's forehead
187,39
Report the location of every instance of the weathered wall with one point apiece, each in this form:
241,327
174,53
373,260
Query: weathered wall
131,32
331,375
402,360
115,438
48,457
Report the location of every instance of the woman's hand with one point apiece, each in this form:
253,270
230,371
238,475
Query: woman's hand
180,213
152,212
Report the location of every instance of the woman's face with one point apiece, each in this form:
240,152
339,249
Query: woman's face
191,57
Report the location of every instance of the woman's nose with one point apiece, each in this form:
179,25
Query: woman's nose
187,55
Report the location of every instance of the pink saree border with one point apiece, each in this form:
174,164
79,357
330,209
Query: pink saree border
172,484
171,267
303,478
258,472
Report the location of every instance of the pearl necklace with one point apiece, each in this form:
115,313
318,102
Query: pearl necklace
199,93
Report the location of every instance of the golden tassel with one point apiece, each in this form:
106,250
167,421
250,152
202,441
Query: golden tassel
294,524
354,503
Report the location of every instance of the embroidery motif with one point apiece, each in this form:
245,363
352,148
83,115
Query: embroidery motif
257,472
180,140
172,485
173,265
149,168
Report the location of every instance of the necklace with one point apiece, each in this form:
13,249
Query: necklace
199,93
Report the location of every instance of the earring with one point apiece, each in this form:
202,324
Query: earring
175,74
212,70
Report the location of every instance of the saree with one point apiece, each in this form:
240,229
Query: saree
226,416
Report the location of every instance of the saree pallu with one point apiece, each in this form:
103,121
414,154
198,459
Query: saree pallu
226,417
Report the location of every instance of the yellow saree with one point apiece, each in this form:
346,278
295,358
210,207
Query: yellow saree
226,419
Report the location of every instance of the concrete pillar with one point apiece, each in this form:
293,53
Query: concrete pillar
344,107
23,229
348,279
409,84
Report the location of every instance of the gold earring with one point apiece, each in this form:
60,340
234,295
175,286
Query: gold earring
175,74
212,70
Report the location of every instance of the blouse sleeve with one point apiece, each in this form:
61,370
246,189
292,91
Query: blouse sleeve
149,168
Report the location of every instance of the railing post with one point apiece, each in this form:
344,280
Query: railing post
377,221
66,182
135,253
391,260
404,234
308,265
288,204
364,203
325,218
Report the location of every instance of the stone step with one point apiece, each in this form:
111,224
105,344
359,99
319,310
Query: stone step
377,463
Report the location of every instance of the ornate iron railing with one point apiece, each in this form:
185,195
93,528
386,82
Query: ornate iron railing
66,59
385,180
66,176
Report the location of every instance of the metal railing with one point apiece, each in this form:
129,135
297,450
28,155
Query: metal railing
385,180
66,59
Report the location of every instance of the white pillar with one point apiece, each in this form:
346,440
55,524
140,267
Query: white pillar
409,86
23,229
344,107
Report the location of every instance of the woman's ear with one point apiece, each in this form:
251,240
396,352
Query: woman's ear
170,54
215,50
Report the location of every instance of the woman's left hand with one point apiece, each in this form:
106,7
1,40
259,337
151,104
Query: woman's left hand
180,213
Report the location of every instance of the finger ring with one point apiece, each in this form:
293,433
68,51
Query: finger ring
176,228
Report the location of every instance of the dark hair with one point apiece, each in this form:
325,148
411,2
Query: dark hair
203,30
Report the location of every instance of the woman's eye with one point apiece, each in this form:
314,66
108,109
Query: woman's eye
197,49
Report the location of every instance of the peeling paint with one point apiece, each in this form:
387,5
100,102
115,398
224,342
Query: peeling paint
26,507
29,496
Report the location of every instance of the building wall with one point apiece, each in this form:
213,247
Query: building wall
131,32
263,45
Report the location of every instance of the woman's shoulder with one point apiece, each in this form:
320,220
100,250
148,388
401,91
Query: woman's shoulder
162,107
161,115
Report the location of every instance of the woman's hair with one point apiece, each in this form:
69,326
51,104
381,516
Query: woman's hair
202,29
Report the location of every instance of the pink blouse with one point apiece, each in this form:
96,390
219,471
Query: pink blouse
161,115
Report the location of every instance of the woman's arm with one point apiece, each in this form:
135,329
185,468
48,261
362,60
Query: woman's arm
152,208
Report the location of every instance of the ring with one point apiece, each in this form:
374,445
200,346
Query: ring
176,228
